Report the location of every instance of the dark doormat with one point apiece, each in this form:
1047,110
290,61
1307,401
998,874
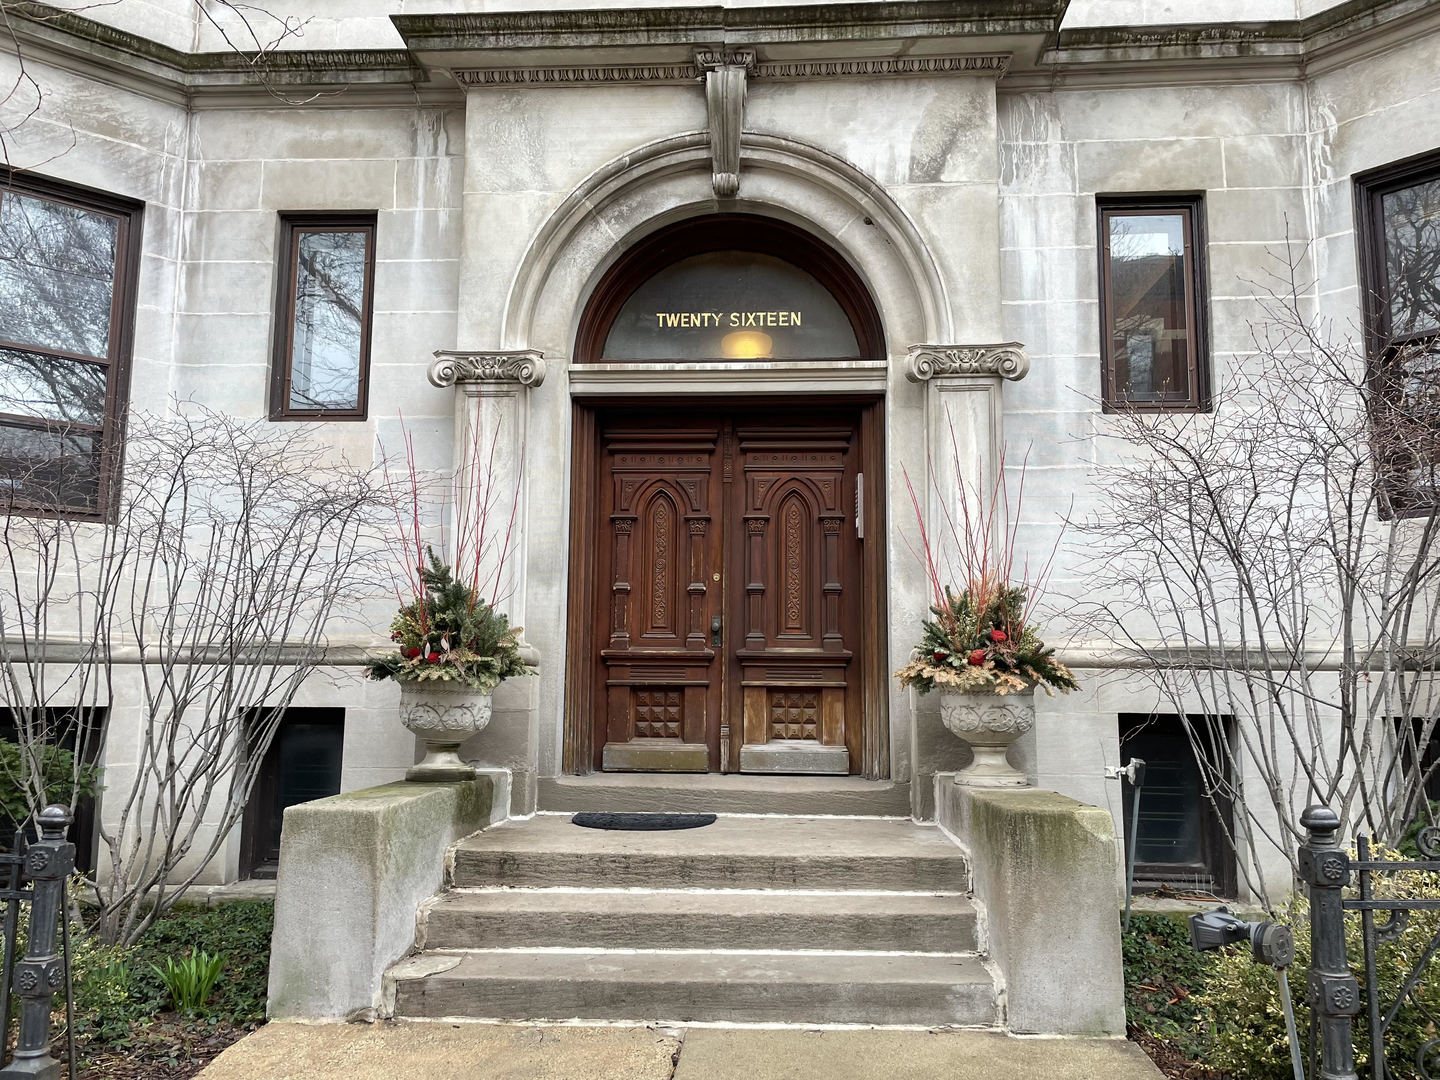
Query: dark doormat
642,822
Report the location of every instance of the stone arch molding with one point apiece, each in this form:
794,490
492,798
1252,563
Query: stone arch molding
668,180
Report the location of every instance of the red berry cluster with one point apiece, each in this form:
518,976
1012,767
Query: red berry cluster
977,656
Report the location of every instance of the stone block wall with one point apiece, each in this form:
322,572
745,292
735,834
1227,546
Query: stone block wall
993,186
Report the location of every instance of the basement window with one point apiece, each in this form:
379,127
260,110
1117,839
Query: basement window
1182,842
302,764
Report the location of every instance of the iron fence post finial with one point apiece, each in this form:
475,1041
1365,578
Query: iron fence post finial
1331,989
48,863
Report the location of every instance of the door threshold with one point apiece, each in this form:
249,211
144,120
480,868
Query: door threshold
656,756
791,758
728,793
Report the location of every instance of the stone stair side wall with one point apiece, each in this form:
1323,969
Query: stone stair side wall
353,870
1043,868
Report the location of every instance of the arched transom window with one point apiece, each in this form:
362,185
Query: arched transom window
732,287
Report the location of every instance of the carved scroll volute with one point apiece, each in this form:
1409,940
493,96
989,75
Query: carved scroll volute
726,74
623,525
1008,360
523,366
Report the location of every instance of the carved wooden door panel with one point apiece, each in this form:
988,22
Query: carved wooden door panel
795,596
659,553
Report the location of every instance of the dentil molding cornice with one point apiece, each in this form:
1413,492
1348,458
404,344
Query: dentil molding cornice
1007,360
523,366
992,64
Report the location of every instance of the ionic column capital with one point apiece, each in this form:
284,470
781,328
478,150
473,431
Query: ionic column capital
1007,360
523,366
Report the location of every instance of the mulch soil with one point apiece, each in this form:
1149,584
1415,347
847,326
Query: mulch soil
1171,1061
169,1047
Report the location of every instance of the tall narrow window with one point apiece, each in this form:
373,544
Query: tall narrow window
68,261
1152,340
1398,219
322,347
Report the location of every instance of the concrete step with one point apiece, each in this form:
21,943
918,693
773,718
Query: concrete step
525,918
734,853
734,793
792,988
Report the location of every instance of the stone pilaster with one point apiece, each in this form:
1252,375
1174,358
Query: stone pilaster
965,429
490,430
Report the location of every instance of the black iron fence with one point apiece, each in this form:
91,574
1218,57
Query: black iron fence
1340,886
1333,991
34,874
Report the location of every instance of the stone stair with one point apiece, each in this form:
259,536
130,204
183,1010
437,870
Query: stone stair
752,919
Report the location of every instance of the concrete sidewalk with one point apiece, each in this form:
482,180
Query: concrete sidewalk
446,1051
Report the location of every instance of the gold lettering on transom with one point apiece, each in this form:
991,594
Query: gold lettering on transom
702,320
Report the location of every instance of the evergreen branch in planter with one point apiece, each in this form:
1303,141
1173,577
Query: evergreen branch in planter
450,634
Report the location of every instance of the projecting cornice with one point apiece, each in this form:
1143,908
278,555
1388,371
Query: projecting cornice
907,24
523,366
93,48
1016,41
926,362
1282,49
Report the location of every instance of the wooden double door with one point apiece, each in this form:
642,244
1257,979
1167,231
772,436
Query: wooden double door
726,608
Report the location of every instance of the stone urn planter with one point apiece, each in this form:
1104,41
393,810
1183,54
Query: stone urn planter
989,722
444,714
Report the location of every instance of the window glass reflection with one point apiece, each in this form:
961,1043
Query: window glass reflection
1145,306
51,388
1412,257
57,275
329,319
49,468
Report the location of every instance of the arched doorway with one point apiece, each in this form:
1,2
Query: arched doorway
726,602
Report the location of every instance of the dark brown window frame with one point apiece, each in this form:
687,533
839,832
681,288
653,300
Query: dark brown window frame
117,362
1381,345
291,225
1191,206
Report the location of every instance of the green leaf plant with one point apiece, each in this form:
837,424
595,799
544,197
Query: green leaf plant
189,981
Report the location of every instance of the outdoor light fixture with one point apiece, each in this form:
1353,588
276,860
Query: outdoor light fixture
1134,774
747,345
1270,944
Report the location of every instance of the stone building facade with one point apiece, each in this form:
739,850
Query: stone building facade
938,164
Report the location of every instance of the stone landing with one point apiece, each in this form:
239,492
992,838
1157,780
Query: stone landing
795,920
420,1051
